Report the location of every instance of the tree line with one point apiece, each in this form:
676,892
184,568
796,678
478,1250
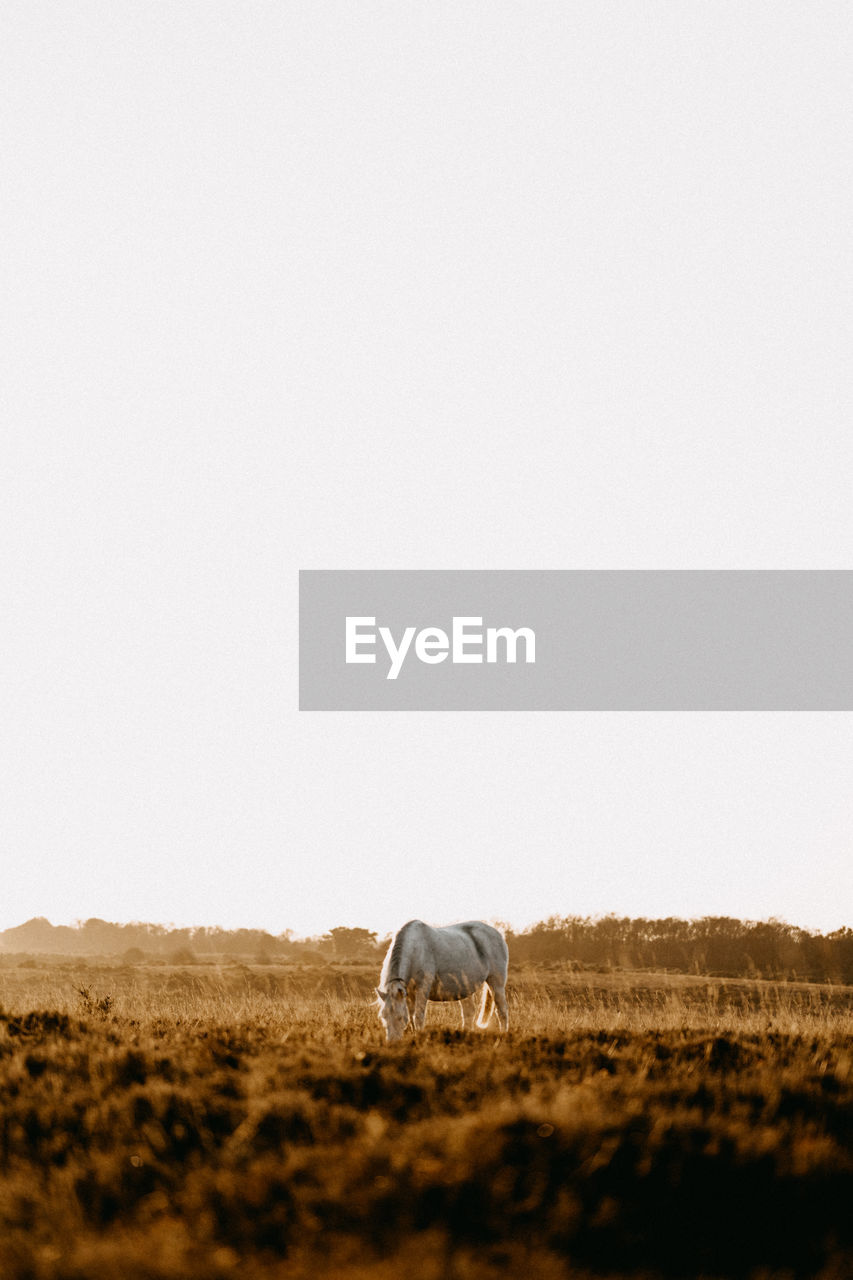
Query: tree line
713,945
139,941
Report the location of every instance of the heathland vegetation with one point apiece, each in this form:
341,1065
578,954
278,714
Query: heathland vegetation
235,1118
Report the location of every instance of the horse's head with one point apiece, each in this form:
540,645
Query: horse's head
393,1009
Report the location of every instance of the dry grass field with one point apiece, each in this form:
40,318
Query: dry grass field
248,1121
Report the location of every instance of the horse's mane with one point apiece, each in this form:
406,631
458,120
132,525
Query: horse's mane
390,968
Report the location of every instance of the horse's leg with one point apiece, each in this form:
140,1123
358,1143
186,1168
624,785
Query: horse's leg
469,1010
487,1007
498,986
419,1013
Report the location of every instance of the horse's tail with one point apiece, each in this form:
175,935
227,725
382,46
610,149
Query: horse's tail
487,1006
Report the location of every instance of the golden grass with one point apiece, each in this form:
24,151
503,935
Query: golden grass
542,1001
249,1121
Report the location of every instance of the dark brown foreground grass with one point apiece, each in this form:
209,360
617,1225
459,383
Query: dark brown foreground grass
249,1122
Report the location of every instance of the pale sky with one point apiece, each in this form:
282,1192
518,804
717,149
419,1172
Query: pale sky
441,285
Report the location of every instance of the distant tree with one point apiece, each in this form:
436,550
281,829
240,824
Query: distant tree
841,942
353,944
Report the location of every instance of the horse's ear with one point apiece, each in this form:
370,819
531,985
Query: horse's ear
380,994
400,994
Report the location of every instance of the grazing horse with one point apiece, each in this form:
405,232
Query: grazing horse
452,963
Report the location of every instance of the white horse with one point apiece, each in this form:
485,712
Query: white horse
452,963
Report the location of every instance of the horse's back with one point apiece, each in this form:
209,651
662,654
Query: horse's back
471,946
475,945
490,944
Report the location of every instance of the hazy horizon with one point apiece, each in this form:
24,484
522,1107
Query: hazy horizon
78,922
